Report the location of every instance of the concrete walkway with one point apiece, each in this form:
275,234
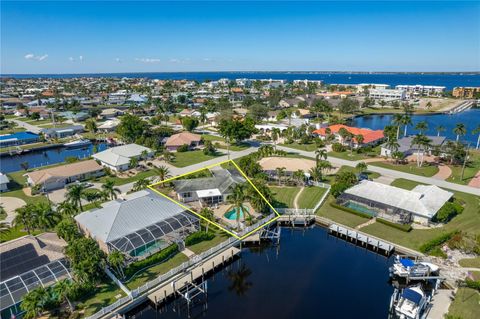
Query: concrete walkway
475,182
440,304
444,172
392,173
371,221
10,204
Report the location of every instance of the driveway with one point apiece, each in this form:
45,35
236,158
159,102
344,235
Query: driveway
10,204
57,196
27,126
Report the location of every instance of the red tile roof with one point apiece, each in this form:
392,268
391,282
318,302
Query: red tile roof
368,135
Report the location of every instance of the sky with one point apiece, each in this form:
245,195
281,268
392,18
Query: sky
121,36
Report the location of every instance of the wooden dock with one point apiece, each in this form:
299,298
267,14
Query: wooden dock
164,291
361,239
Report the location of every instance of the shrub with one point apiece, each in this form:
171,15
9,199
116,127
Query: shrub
161,256
474,284
402,227
349,210
337,147
198,237
338,188
183,148
435,242
448,211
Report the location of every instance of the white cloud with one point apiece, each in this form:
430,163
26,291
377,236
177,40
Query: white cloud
118,60
31,56
71,59
80,58
147,60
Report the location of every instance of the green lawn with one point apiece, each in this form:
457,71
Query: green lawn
302,147
468,221
310,196
16,232
354,156
207,244
371,175
123,181
411,168
471,169
57,125
12,130
221,141
183,159
338,215
284,196
154,271
466,304
37,122
470,262
105,295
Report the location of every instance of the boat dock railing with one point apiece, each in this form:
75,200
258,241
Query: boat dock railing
361,239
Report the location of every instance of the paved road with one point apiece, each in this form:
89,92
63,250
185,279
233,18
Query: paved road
27,126
392,173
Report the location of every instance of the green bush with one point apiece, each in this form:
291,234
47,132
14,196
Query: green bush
349,210
183,148
402,227
337,147
154,259
198,237
448,211
474,284
435,242
338,188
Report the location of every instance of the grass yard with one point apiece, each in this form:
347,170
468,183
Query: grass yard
57,125
284,196
105,295
468,221
207,244
183,159
123,181
310,196
12,130
16,232
470,262
37,122
354,156
154,271
427,171
466,304
302,147
471,169
338,215
221,143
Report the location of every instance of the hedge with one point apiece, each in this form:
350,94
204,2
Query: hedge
474,284
431,244
351,211
157,258
403,227
198,237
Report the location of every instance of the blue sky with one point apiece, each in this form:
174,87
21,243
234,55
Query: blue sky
84,37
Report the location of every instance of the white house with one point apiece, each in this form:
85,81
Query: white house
118,158
387,94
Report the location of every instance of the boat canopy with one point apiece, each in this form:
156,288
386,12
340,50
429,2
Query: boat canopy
412,295
407,262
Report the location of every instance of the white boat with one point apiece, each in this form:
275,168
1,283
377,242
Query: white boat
404,267
411,303
78,143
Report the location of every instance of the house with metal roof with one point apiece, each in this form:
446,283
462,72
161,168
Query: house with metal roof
62,132
19,138
138,225
118,158
208,190
407,148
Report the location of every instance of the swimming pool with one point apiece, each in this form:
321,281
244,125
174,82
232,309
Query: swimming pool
361,208
232,214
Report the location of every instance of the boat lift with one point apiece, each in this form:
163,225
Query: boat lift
190,293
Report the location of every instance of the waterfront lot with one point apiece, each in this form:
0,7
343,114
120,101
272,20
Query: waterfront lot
284,196
302,147
183,159
471,169
338,215
412,168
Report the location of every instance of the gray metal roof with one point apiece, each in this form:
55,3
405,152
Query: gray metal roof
122,217
406,142
222,180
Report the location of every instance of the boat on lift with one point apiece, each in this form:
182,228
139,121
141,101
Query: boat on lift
78,143
411,303
404,267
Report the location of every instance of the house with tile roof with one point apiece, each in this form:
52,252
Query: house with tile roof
184,138
370,137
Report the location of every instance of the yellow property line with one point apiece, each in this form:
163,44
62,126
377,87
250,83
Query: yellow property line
206,219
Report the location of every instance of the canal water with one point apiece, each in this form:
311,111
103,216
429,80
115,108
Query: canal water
470,118
309,275
35,159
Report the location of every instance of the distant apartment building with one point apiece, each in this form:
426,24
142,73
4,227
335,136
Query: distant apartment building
420,90
466,92
306,82
387,94
362,86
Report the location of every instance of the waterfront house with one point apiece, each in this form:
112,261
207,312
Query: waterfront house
370,137
27,263
62,132
57,177
75,116
184,138
118,158
4,182
138,225
406,147
419,205
19,138
207,190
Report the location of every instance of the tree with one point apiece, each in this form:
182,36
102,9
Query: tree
348,105
208,214
208,148
163,173
477,131
460,130
362,167
67,230
398,120
110,190
133,162
280,174
140,184
75,194
320,153
33,303
117,261
392,145
86,259
237,198
423,143
274,135
91,125
299,176
131,127
25,216
66,208
258,111
440,129
422,127
45,217
406,120
189,123
236,130
62,289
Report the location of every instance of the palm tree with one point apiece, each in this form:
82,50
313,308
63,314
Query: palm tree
477,131
406,120
66,208
167,156
459,130
74,195
299,176
324,166
163,173
362,167
62,289
280,173
4,228
237,199
142,183
392,145
274,135
208,214
45,216
110,190
359,139
25,216
33,302
397,121
422,143
422,127
117,260
133,162
440,129
91,125
320,153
